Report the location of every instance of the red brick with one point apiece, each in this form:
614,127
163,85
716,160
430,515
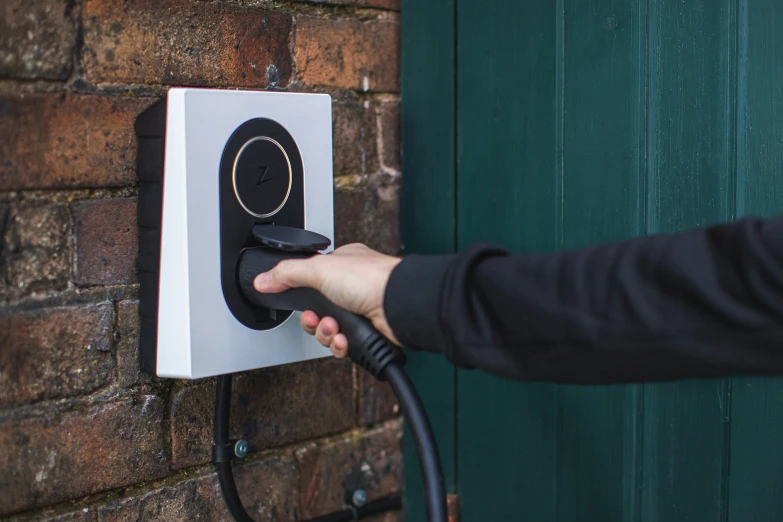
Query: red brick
382,4
127,335
53,459
355,139
186,43
347,53
106,242
65,140
55,353
179,502
3,218
367,211
377,401
372,462
389,516
36,39
82,515
267,488
3,254
271,407
389,115
36,254
43,226
332,2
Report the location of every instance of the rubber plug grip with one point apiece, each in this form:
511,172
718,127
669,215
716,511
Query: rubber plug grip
367,347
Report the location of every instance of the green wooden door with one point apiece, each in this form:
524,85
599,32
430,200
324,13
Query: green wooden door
549,124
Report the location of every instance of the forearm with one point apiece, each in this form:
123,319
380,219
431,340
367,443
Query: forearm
703,303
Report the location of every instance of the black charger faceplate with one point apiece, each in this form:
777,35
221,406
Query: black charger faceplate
255,188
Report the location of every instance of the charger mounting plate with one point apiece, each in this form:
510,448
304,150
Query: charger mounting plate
188,330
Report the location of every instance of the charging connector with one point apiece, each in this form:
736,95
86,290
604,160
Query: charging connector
367,348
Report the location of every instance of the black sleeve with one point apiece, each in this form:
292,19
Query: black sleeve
703,303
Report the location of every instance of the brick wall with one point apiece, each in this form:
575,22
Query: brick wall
84,436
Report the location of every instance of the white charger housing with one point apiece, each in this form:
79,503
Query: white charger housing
188,328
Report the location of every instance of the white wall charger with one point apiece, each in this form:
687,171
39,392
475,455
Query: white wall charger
213,164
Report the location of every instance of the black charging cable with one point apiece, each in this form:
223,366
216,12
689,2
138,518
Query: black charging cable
224,452
367,347
417,421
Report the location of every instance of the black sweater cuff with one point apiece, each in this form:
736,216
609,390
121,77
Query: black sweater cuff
412,302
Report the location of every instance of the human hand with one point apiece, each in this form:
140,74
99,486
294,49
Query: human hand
353,277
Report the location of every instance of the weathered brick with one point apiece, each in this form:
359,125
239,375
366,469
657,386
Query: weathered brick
36,39
377,401
179,502
36,253
106,242
186,43
333,2
268,489
372,462
66,140
3,219
43,226
55,353
52,459
82,515
355,138
389,115
265,487
389,516
381,4
347,53
3,253
367,211
127,336
271,407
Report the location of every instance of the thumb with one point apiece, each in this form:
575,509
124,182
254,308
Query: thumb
287,274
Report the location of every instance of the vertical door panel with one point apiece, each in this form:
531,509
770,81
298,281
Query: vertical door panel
580,122
428,202
756,485
690,183
603,200
508,194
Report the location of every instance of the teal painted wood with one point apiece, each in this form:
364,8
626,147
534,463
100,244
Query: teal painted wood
428,203
604,184
581,122
428,128
756,482
508,194
691,182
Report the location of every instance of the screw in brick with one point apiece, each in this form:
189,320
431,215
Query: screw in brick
240,449
359,497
